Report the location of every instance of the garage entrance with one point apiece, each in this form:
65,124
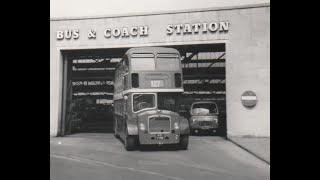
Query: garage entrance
88,85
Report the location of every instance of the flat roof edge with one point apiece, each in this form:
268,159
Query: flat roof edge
258,5
151,49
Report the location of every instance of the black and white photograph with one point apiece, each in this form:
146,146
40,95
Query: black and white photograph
159,90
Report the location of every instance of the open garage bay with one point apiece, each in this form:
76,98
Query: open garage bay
89,76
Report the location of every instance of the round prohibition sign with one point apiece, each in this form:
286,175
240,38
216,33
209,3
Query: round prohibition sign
249,99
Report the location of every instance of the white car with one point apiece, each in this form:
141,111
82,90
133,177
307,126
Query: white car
204,117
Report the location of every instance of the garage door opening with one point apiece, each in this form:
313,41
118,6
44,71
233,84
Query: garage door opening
204,79
88,89
88,85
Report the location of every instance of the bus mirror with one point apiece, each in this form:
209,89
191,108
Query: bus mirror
135,80
125,97
177,78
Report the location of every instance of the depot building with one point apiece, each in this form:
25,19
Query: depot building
225,55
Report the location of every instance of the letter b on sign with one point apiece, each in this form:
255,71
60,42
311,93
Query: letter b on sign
59,35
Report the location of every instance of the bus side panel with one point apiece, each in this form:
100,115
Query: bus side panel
132,125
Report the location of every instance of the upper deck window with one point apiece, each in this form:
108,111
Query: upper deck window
168,62
143,62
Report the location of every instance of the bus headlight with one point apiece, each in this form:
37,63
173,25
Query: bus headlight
142,127
176,125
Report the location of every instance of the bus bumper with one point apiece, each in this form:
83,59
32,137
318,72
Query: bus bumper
171,138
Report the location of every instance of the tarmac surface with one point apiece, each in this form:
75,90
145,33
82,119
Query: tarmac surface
258,146
95,156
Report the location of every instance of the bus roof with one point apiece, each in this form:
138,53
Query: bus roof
151,50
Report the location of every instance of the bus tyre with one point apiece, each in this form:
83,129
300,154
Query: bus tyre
184,141
116,134
115,131
130,143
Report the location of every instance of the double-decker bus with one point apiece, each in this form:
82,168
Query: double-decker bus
147,89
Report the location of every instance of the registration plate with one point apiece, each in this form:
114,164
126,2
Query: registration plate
157,83
159,137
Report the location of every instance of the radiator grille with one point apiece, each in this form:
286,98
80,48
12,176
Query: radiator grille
206,123
159,124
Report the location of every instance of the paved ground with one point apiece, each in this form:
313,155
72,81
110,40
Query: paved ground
101,156
255,145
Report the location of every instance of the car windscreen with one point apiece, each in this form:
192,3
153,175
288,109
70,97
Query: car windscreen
204,109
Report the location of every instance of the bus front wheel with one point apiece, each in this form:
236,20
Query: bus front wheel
184,141
130,143
115,130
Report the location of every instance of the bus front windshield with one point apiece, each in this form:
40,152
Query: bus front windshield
165,101
168,101
143,101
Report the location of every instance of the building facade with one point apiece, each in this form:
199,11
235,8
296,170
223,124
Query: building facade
243,31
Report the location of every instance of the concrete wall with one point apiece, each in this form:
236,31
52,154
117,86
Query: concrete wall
248,68
55,83
247,59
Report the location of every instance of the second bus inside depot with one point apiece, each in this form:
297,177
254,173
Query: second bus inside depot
224,55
